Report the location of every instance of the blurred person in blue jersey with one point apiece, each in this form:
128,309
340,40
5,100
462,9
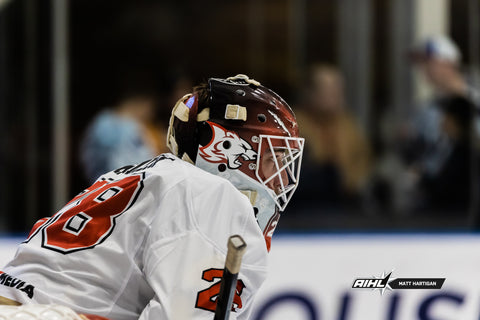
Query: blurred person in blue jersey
134,129
122,134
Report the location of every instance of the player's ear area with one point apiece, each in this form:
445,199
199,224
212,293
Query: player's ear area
204,132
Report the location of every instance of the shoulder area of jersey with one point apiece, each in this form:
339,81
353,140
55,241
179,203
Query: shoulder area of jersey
142,167
168,164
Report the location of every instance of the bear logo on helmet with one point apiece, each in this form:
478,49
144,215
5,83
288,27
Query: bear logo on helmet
226,147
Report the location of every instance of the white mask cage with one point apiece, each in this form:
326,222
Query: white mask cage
278,166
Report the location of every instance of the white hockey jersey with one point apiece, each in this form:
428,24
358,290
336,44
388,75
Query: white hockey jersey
143,242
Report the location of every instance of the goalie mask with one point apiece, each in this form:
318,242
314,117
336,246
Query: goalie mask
242,131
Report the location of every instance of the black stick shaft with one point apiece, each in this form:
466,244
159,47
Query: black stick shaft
236,249
225,298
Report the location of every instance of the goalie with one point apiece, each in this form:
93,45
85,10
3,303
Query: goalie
147,241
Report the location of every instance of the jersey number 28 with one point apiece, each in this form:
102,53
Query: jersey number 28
89,218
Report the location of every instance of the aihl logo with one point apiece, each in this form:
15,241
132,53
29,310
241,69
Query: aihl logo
386,282
380,283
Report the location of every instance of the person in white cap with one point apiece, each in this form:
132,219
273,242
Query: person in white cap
440,59
429,147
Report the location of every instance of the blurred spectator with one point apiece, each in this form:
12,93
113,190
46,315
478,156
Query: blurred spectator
121,135
448,190
436,144
440,59
426,144
134,129
337,155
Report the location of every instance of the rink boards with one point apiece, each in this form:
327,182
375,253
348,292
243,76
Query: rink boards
311,277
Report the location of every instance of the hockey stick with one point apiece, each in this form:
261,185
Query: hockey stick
236,249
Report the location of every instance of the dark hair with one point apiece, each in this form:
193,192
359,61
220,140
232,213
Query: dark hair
203,92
